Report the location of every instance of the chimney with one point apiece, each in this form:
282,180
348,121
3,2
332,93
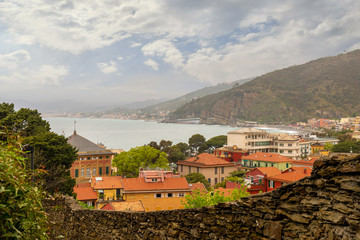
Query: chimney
305,170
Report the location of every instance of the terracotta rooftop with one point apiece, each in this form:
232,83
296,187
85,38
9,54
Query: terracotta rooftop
308,162
125,206
287,177
139,184
268,157
205,160
85,146
197,186
305,170
269,171
84,192
113,182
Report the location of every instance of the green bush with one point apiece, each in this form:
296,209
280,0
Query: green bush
21,213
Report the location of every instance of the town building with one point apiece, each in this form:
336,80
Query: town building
255,178
266,160
213,168
92,161
273,182
157,190
136,206
231,153
107,188
286,145
307,162
305,148
85,193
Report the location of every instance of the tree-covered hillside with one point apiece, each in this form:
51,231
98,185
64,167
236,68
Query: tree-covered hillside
328,87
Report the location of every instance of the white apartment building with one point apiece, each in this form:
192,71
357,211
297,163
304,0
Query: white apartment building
256,140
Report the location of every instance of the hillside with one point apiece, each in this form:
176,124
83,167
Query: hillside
173,104
328,87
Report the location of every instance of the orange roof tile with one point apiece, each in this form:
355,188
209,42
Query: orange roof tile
84,191
205,160
136,206
267,157
309,161
305,170
197,186
287,177
269,171
139,184
113,182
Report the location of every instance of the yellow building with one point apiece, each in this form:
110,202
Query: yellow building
267,160
107,189
157,190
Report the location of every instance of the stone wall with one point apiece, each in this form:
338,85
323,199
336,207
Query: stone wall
325,205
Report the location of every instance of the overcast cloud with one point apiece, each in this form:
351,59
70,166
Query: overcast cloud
115,52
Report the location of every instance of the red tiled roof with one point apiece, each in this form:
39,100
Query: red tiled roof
113,182
305,170
197,186
269,171
139,184
108,207
309,162
205,160
84,192
287,177
267,157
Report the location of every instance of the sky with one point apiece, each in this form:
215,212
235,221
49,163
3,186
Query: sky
116,52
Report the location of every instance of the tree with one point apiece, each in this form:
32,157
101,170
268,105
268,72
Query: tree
129,162
346,147
183,147
195,142
154,145
216,142
200,199
197,177
55,156
21,214
174,154
328,146
165,146
235,176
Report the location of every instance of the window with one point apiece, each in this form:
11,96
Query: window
100,171
209,180
107,156
118,193
266,165
222,170
290,145
290,151
76,172
222,179
181,168
158,195
181,194
154,180
215,170
169,195
100,157
107,170
189,169
88,173
281,151
94,171
287,165
281,144
215,180
197,169
82,171
271,184
101,194
88,158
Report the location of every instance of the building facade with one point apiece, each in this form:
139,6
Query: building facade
213,168
92,161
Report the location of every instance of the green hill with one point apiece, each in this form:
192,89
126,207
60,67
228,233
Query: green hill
328,87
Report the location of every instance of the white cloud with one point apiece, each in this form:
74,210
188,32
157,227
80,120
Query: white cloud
133,45
154,65
12,60
45,75
120,58
165,49
107,68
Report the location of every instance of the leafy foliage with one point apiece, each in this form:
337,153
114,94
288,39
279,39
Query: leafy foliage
197,143
55,156
216,142
235,176
197,177
21,214
346,147
129,162
200,199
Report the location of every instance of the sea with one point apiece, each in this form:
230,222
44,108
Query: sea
126,134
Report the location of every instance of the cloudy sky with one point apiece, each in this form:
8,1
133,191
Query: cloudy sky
112,51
